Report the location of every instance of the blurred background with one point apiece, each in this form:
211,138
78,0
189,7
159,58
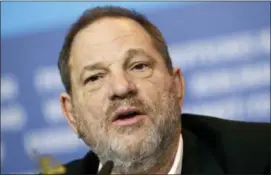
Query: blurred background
223,49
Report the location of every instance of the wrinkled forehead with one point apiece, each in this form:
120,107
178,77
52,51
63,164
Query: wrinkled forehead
108,39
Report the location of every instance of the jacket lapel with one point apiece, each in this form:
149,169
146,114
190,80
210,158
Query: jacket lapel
190,162
197,157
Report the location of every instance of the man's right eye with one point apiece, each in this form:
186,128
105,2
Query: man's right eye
93,78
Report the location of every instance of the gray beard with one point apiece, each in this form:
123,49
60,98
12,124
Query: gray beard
143,154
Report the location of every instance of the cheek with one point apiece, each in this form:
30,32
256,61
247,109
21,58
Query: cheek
92,105
154,88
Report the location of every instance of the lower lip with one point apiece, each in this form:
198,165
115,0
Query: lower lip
129,121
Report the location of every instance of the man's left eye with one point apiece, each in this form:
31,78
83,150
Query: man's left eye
140,66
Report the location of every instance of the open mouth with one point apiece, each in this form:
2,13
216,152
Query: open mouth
127,117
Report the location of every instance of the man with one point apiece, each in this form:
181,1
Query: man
123,99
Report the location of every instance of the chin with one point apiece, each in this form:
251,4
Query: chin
133,137
134,148
130,130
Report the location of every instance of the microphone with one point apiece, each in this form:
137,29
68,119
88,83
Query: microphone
106,168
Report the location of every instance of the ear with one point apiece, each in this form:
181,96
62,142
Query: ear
67,110
179,84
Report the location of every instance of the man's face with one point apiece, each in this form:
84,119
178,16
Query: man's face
124,102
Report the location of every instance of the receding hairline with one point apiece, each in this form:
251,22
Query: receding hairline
112,18
102,19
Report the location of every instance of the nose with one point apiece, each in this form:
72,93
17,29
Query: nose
121,86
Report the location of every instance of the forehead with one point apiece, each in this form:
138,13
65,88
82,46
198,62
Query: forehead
107,39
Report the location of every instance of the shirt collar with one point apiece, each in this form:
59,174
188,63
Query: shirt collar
177,164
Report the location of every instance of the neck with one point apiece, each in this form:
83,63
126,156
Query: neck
166,158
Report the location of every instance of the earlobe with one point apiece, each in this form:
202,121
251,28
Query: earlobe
67,110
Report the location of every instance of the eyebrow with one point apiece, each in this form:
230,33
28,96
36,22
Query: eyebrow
129,55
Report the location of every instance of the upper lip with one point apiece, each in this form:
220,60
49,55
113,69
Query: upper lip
125,110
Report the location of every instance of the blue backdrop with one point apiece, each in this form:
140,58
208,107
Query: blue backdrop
223,49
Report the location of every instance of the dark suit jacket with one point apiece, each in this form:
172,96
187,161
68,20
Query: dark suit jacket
211,146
